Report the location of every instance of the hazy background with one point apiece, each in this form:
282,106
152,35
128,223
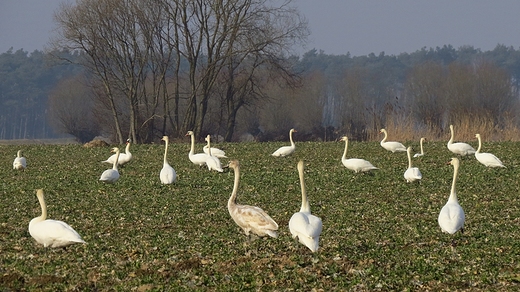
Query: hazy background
338,27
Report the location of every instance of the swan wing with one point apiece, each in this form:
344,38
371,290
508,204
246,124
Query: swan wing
54,233
489,160
284,151
199,158
393,146
167,174
215,152
307,228
19,163
109,175
213,163
462,149
254,219
412,174
451,218
358,164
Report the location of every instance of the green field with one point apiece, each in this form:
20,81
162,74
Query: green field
379,232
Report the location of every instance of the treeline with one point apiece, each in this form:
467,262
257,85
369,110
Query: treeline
42,96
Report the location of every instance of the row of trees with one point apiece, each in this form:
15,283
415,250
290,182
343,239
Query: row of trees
157,66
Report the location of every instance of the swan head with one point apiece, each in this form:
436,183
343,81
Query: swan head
208,138
382,131
114,150
454,161
233,164
128,141
477,136
344,138
165,139
190,133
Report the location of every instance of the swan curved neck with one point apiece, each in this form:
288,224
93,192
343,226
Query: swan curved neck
422,151
290,138
408,152
451,137
453,193
479,144
232,199
209,145
42,205
386,136
305,203
165,150
345,152
192,136
114,166
19,154
127,148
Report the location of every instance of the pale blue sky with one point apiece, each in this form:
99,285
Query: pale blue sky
360,27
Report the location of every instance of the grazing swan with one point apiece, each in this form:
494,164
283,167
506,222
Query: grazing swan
487,159
212,162
391,145
199,158
168,174
303,225
111,175
412,173
215,152
451,217
459,148
355,164
286,150
123,157
249,218
19,163
51,233
422,151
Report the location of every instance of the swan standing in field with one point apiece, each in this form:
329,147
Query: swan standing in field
123,157
391,145
212,162
111,175
487,159
51,233
199,158
451,218
19,163
422,151
249,218
355,164
286,150
459,148
215,152
303,225
412,173
168,174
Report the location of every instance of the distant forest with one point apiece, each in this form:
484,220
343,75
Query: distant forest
48,95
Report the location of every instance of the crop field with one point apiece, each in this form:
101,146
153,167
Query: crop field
379,232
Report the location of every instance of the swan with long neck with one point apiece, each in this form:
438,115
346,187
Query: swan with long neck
391,145
199,158
488,159
167,174
451,218
212,162
123,157
214,152
303,225
459,148
51,233
412,173
286,150
19,163
249,218
111,175
355,164
422,151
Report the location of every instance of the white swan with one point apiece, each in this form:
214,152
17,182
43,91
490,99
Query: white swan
215,152
355,164
19,163
123,157
167,174
212,162
303,225
487,159
51,233
412,173
391,145
286,150
422,151
249,218
459,148
451,218
199,158
111,175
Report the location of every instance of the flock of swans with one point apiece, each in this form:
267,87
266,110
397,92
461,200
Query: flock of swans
303,225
